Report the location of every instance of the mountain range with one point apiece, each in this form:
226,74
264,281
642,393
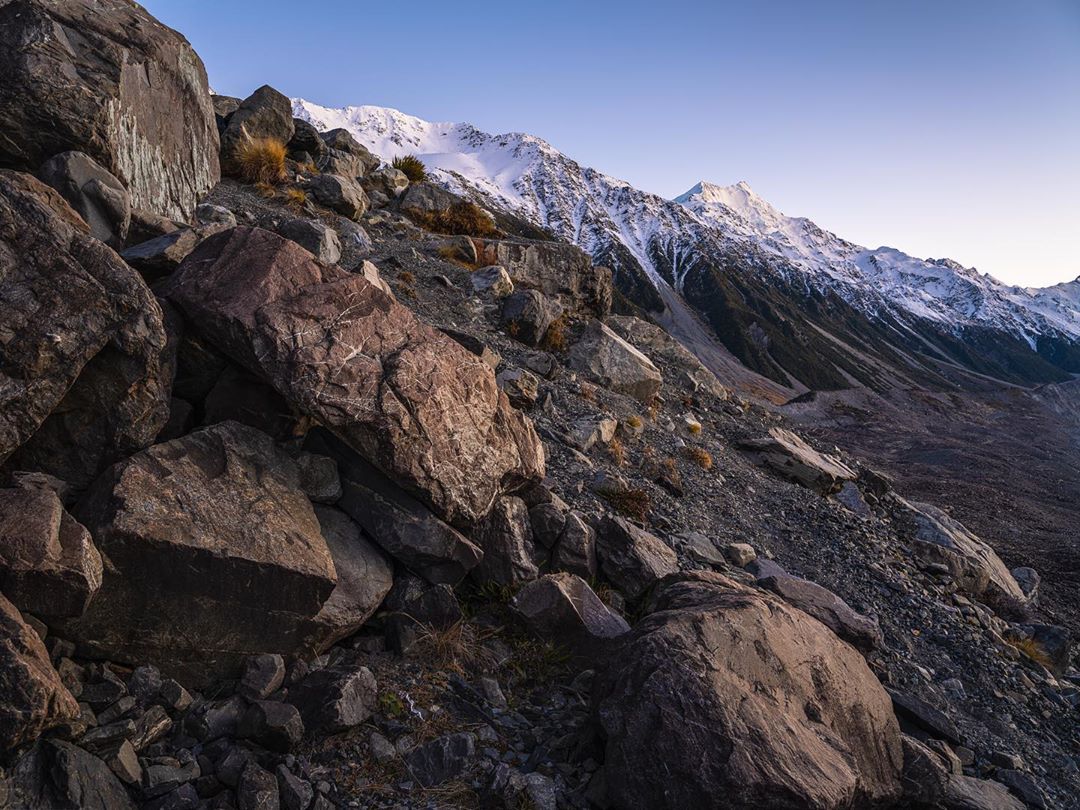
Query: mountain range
789,299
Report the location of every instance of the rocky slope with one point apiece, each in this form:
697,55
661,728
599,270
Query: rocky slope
879,318
344,491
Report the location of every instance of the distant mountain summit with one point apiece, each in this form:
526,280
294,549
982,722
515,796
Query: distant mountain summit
790,299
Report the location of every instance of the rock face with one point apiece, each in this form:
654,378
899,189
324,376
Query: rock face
789,456
976,567
611,362
213,553
97,196
83,336
364,577
724,696
410,399
32,697
560,271
48,564
113,82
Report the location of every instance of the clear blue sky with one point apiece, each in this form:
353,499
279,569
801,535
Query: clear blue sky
944,128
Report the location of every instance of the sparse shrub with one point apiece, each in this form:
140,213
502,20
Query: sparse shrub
265,190
617,451
555,337
635,422
694,428
295,197
587,392
412,167
260,160
405,277
1030,648
631,503
460,219
653,410
1010,608
700,456
456,648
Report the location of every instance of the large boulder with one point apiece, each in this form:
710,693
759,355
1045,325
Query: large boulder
364,577
56,774
345,155
611,362
97,196
656,343
527,315
111,81
976,567
266,113
49,566
560,271
726,697
83,337
213,553
32,697
407,397
340,194
790,457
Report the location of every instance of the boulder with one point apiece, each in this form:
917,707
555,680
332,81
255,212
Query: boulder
507,541
340,194
56,774
563,608
340,142
631,558
422,200
318,239
266,113
210,214
392,182
423,603
95,194
263,675
1028,579
790,457
49,566
973,563
968,793
146,225
406,396
827,608
87,368
364,577
335,698
274,725
110,81
924,776
656,343
214,554
521,386
32,696
575,551
560,271
158,257
1046,644
441,759
725,696
493,282
611,362
306,138
527,315
402,526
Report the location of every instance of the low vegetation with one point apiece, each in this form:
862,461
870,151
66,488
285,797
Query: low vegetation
700,456
412,167
460,219
260,160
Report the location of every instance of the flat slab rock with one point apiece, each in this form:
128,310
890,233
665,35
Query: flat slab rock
789,456
214,553
416,404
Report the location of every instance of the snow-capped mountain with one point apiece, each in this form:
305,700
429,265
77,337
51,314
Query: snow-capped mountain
712,237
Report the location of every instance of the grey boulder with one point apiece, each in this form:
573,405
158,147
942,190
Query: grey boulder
95,194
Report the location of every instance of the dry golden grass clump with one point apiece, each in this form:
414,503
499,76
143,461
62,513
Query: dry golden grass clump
412,167
617,451
460,219
295,197
700,456
631,503
260,160
555,337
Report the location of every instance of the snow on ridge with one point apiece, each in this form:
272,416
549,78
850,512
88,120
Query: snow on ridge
526,175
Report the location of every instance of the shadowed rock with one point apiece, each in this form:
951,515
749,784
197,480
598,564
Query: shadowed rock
214,553
410,399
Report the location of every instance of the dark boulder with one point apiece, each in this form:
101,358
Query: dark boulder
111,81
335,698
563,608
306,138
527,315
340,194
57,775
411,400
266,113
630,557
32,697
214,554
97,196
84,340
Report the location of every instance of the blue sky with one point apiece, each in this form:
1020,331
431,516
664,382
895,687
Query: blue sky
942,128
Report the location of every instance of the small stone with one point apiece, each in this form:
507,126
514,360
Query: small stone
295,793
740,554
174,696
257,789
273,725
493,692
124,762
381,748
120,709
263,675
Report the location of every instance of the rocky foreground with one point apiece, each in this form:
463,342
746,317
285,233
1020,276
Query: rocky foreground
331,489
